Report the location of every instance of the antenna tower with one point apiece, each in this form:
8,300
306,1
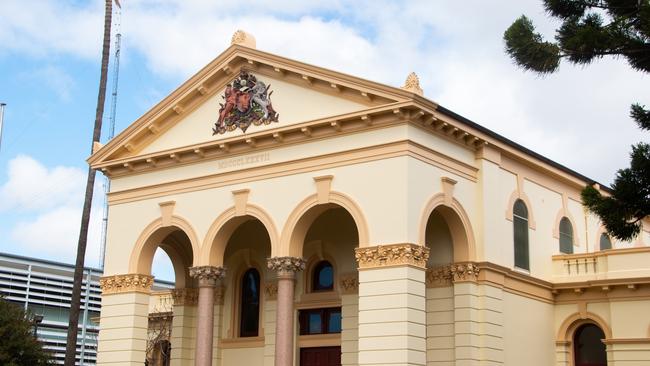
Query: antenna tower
111,129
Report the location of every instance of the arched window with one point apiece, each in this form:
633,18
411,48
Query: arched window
249,314
520,223
323,277
605,243
566,236
588,348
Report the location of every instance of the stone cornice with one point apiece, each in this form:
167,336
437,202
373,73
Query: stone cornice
132,282
286,265
392,255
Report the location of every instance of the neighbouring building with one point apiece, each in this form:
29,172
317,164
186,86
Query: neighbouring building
316,218
44,288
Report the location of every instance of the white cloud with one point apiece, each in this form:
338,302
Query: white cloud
578,117
54,235
31,186
47,204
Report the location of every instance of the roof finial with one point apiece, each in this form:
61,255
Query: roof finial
242,38
412,84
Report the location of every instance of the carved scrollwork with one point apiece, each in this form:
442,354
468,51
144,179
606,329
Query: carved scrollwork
349,283
125,283
455,272
185,296
286,265
207,275
391,255
271,290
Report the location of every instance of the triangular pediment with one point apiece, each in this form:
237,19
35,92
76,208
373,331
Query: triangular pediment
299,93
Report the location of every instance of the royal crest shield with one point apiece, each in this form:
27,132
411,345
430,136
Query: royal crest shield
246,101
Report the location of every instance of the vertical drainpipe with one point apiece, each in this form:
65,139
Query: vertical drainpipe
84,325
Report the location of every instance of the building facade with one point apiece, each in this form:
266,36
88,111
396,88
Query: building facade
315,218
44,288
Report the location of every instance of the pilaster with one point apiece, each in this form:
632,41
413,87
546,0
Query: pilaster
183,326
392,321
124,319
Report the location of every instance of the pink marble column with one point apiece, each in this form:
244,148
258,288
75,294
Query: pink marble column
208,277
286,268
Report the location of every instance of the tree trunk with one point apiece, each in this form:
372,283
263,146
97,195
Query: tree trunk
75,303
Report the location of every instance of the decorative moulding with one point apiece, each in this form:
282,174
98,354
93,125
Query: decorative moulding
286,265
349,283
241,200
392,255
133,282
207,275
448,185
185,296
323,187
166,212
412,84
242,38
449,274
271,290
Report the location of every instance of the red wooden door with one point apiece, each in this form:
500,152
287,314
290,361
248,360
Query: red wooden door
320,356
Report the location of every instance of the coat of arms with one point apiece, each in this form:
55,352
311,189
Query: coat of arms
247,100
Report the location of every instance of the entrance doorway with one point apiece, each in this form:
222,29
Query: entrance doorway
320,356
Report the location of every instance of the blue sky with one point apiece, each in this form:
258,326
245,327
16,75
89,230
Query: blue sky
49,70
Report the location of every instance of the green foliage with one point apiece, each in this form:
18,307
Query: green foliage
527,48
629,203
18,346
592,29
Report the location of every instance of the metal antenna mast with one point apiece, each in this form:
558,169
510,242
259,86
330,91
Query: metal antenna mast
111,129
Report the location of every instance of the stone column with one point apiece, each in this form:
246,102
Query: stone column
392,324
286,268
208,277
124,319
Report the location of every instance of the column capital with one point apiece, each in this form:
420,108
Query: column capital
392,255
132,282
207,275
185,296
452,273
286,266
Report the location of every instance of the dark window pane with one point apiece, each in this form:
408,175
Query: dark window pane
315,323
521,243
589,350
519,209
334,322
566,236
250,304
605,243
323,277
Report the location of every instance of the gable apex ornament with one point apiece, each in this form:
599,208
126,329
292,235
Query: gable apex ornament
246,101
412,84
242,38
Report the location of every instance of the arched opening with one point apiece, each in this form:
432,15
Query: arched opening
520,236
246,251
167,253
588,346
331,235
446,237
177,246
605,242
566,236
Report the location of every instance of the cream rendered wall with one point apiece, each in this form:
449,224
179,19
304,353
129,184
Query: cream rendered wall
277,196
424,182
529,335
495,232
273,156
293,103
